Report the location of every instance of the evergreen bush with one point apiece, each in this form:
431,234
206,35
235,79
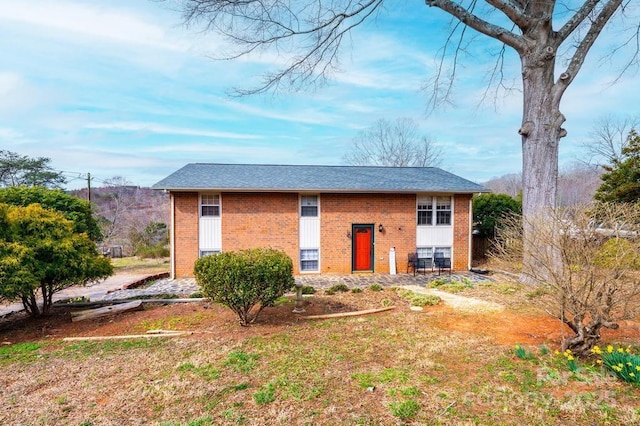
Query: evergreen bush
246,278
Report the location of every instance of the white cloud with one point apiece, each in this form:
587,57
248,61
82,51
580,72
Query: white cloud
9,81
130,126
83,21
18,95
9,134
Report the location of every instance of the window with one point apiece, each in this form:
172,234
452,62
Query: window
443,211
210,205
309,260
443,252
309,206
204,253
425,211
425,252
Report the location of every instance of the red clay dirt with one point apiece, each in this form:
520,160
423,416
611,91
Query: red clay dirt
505,327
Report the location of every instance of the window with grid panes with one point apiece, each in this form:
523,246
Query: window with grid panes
425,252
442,252
309,206
425,211
309,260
210,205
443,211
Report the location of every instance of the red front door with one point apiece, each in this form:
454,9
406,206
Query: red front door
362,247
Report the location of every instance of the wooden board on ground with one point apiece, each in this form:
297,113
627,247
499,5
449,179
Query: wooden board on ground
106,310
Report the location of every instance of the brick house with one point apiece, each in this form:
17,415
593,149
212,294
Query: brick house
329,219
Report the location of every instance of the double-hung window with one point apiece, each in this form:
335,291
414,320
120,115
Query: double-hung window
442,252
425,211
443,211
425,252
309,206
210,205
309,260
427,205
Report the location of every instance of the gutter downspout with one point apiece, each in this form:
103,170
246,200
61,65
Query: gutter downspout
470,233
172,237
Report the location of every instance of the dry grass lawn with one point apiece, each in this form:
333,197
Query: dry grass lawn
438,366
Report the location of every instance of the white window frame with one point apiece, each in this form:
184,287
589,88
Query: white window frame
424,204
216,197
317,260
432,250
439,206
444,250
420,251
448,210
205,252
309,200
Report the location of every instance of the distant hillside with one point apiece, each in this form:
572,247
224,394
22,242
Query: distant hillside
124,210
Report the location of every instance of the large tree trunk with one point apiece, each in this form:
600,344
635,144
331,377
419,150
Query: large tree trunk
541,132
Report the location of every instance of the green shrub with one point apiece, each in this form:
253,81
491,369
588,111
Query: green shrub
404,293
386,302
375,287
617,253
152,252
424,300
329,292
339,288
307,289
356,290
243,279
451,285
416,299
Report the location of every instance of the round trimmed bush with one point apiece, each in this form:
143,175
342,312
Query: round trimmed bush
243,279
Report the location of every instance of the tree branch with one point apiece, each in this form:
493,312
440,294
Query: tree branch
575,21
580,54
513,11
478,24
314,28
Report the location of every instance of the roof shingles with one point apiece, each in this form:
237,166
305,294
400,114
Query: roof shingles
261,177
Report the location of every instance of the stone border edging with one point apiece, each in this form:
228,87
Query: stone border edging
145,280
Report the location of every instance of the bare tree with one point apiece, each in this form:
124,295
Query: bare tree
125,209
551,56
577,184
510,184
608,137
396,144
597,283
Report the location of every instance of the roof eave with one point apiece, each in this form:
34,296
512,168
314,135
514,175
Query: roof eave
325,190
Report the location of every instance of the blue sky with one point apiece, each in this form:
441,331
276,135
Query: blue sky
121,88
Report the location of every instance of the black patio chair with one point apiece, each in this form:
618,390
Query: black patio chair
442,263
416,263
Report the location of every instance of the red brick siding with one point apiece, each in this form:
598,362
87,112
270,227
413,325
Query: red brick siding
261,220
396,212
185,232
461,231
272,220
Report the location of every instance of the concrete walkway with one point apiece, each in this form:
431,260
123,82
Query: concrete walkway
94,291
462,303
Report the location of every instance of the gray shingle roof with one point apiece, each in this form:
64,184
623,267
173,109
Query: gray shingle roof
263,178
